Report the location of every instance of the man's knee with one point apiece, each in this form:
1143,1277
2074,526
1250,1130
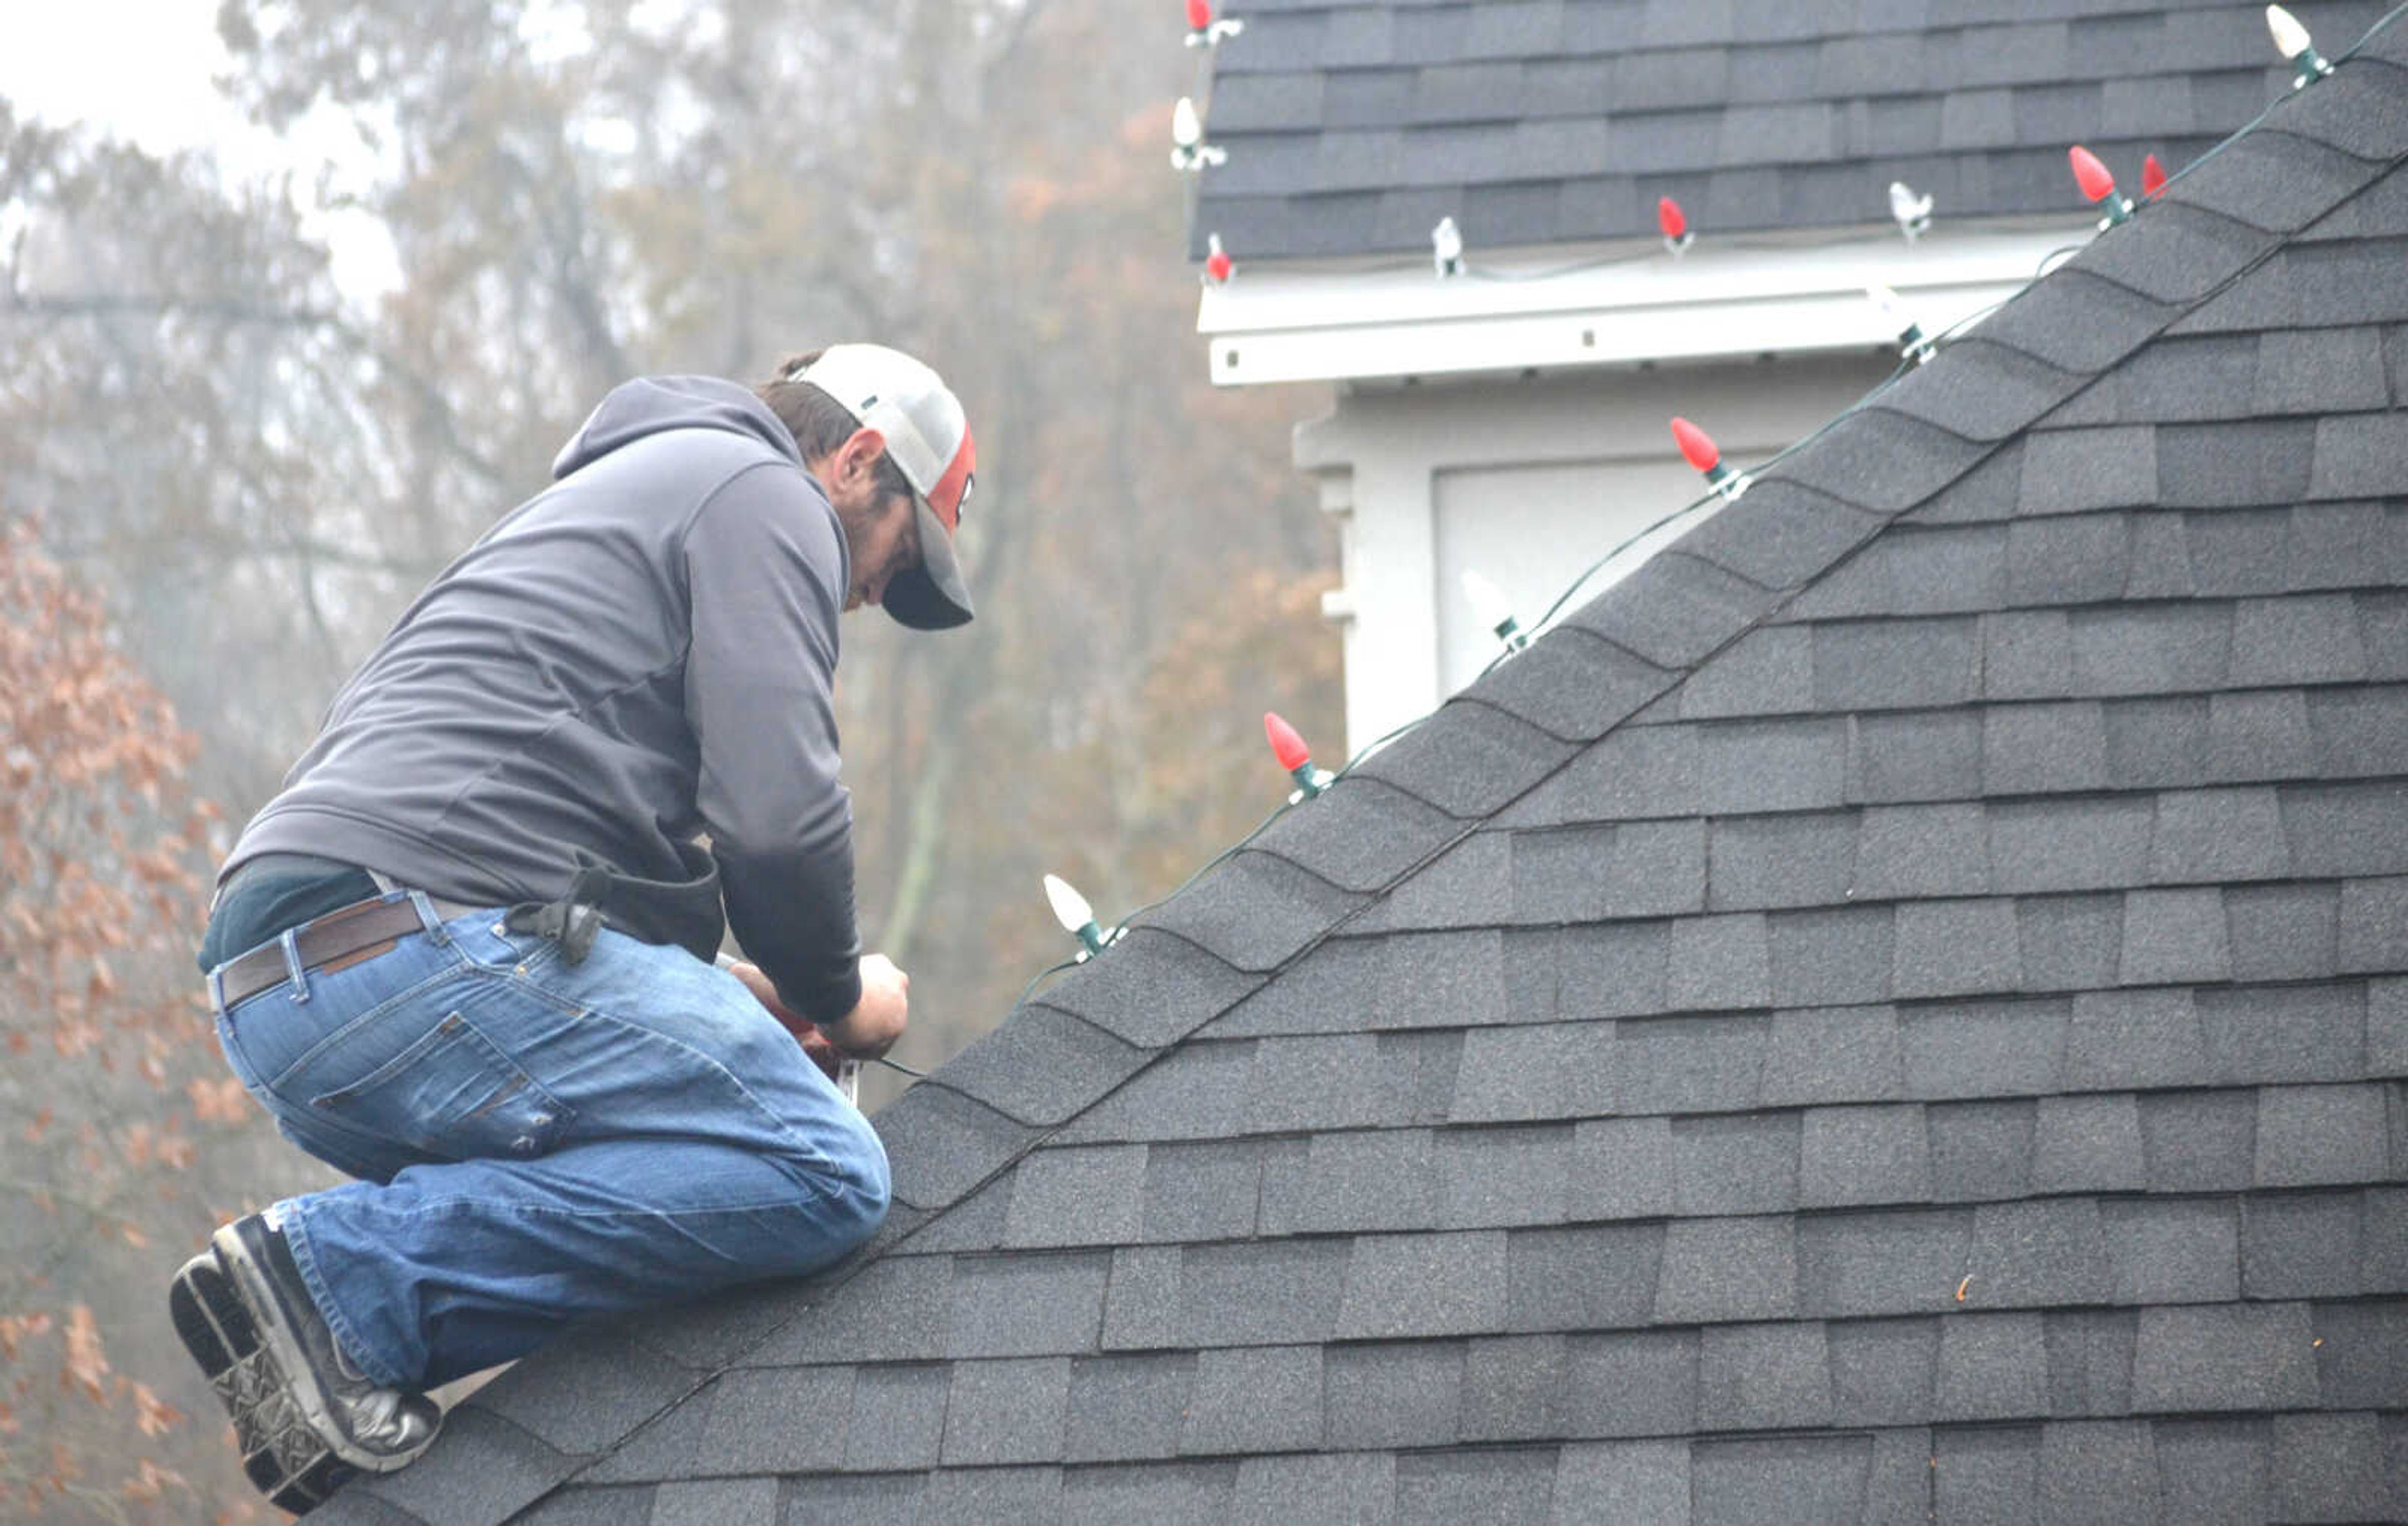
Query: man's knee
848,1183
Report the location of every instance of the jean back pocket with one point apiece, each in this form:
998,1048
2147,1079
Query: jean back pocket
452,1092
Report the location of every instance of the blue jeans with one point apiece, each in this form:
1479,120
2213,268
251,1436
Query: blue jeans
539,1143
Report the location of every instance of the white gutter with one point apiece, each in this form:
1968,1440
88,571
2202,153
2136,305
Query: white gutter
1566,306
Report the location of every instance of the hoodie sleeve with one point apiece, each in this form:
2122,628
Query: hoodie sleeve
766,575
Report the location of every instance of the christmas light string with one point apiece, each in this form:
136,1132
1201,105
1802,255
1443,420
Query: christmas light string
1516,639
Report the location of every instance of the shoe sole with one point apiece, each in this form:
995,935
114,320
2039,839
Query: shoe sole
280,1347
282,1455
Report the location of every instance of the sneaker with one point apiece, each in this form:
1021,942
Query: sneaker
284,1459
305,1420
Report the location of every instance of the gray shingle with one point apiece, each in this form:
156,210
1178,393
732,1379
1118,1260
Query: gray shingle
2077,471
1928,756
1026,1305
2175,935
2156,743
1757,1377
2182,1252
2259,736
1483,1485
1260,1399
2090,1360
2043,749
2285,1032
1831,957
1780,861
2361,1350
1770,766
2200,1142
1922,851
1985,1049
2069,942
1495,1177
1601,873
589,1393
1913,571
1572,685
1674,609
2070,845
749,1423
2373,911
1635,771
1427,1284
2213,1470
1513,1389
881,1313
1602,1482
1844,1055
1469,760
2135,1038
2092,1471
1392,1394
1735,1165
1719,962
2301,1245
2037,1254
2150,649
1853,1155
2283,931
1555,1070
2358,732
1318,1489
1950,947
1207,1191
2330,1468
1190,1493
1992,1366
717,1502
2224,1357
1689,1064
1781,533
2312,1134
1639,1383
1591,1278
1042,1065
1880,1262
1883,1370
2348,829
1981,1150
1076,1196
2088,1143
1726,1269
898,1416
940,1144
1612,970
1262,1292
1199,1091
1895,664
1252,913
1360,835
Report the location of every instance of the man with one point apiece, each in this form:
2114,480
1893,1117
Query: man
465,955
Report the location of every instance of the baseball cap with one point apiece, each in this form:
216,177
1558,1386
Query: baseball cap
928,437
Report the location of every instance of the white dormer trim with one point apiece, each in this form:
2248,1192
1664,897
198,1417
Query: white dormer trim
1569,306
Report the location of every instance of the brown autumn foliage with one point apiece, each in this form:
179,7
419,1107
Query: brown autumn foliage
112,1082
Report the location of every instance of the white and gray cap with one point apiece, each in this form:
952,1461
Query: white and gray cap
928,435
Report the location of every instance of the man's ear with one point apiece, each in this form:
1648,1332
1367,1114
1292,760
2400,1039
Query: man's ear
860,451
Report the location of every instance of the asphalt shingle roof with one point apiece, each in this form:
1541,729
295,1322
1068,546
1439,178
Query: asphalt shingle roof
1353,125
1898,1011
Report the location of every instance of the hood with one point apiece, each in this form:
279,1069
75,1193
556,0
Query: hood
651,404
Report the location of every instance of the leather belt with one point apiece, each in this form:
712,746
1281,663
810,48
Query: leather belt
337,940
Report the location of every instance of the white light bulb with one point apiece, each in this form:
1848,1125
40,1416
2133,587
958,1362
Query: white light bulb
1913,213
1187,127
1070,908
1489,605
2290,38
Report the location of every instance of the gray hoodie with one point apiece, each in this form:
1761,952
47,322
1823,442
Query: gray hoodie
641,655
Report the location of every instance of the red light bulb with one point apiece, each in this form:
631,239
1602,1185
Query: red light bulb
1287,746
1669,217
2089,174
1697,447
1218,264
2153,176
1199,15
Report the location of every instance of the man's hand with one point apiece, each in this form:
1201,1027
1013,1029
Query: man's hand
868,1031
877,1020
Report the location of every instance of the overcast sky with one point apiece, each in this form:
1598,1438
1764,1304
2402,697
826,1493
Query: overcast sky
145,70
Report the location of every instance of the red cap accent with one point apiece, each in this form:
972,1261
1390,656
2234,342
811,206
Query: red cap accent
1218,264
946,496
1669,217
2089,174
2153,176
1286,745
1697,447
1199,15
